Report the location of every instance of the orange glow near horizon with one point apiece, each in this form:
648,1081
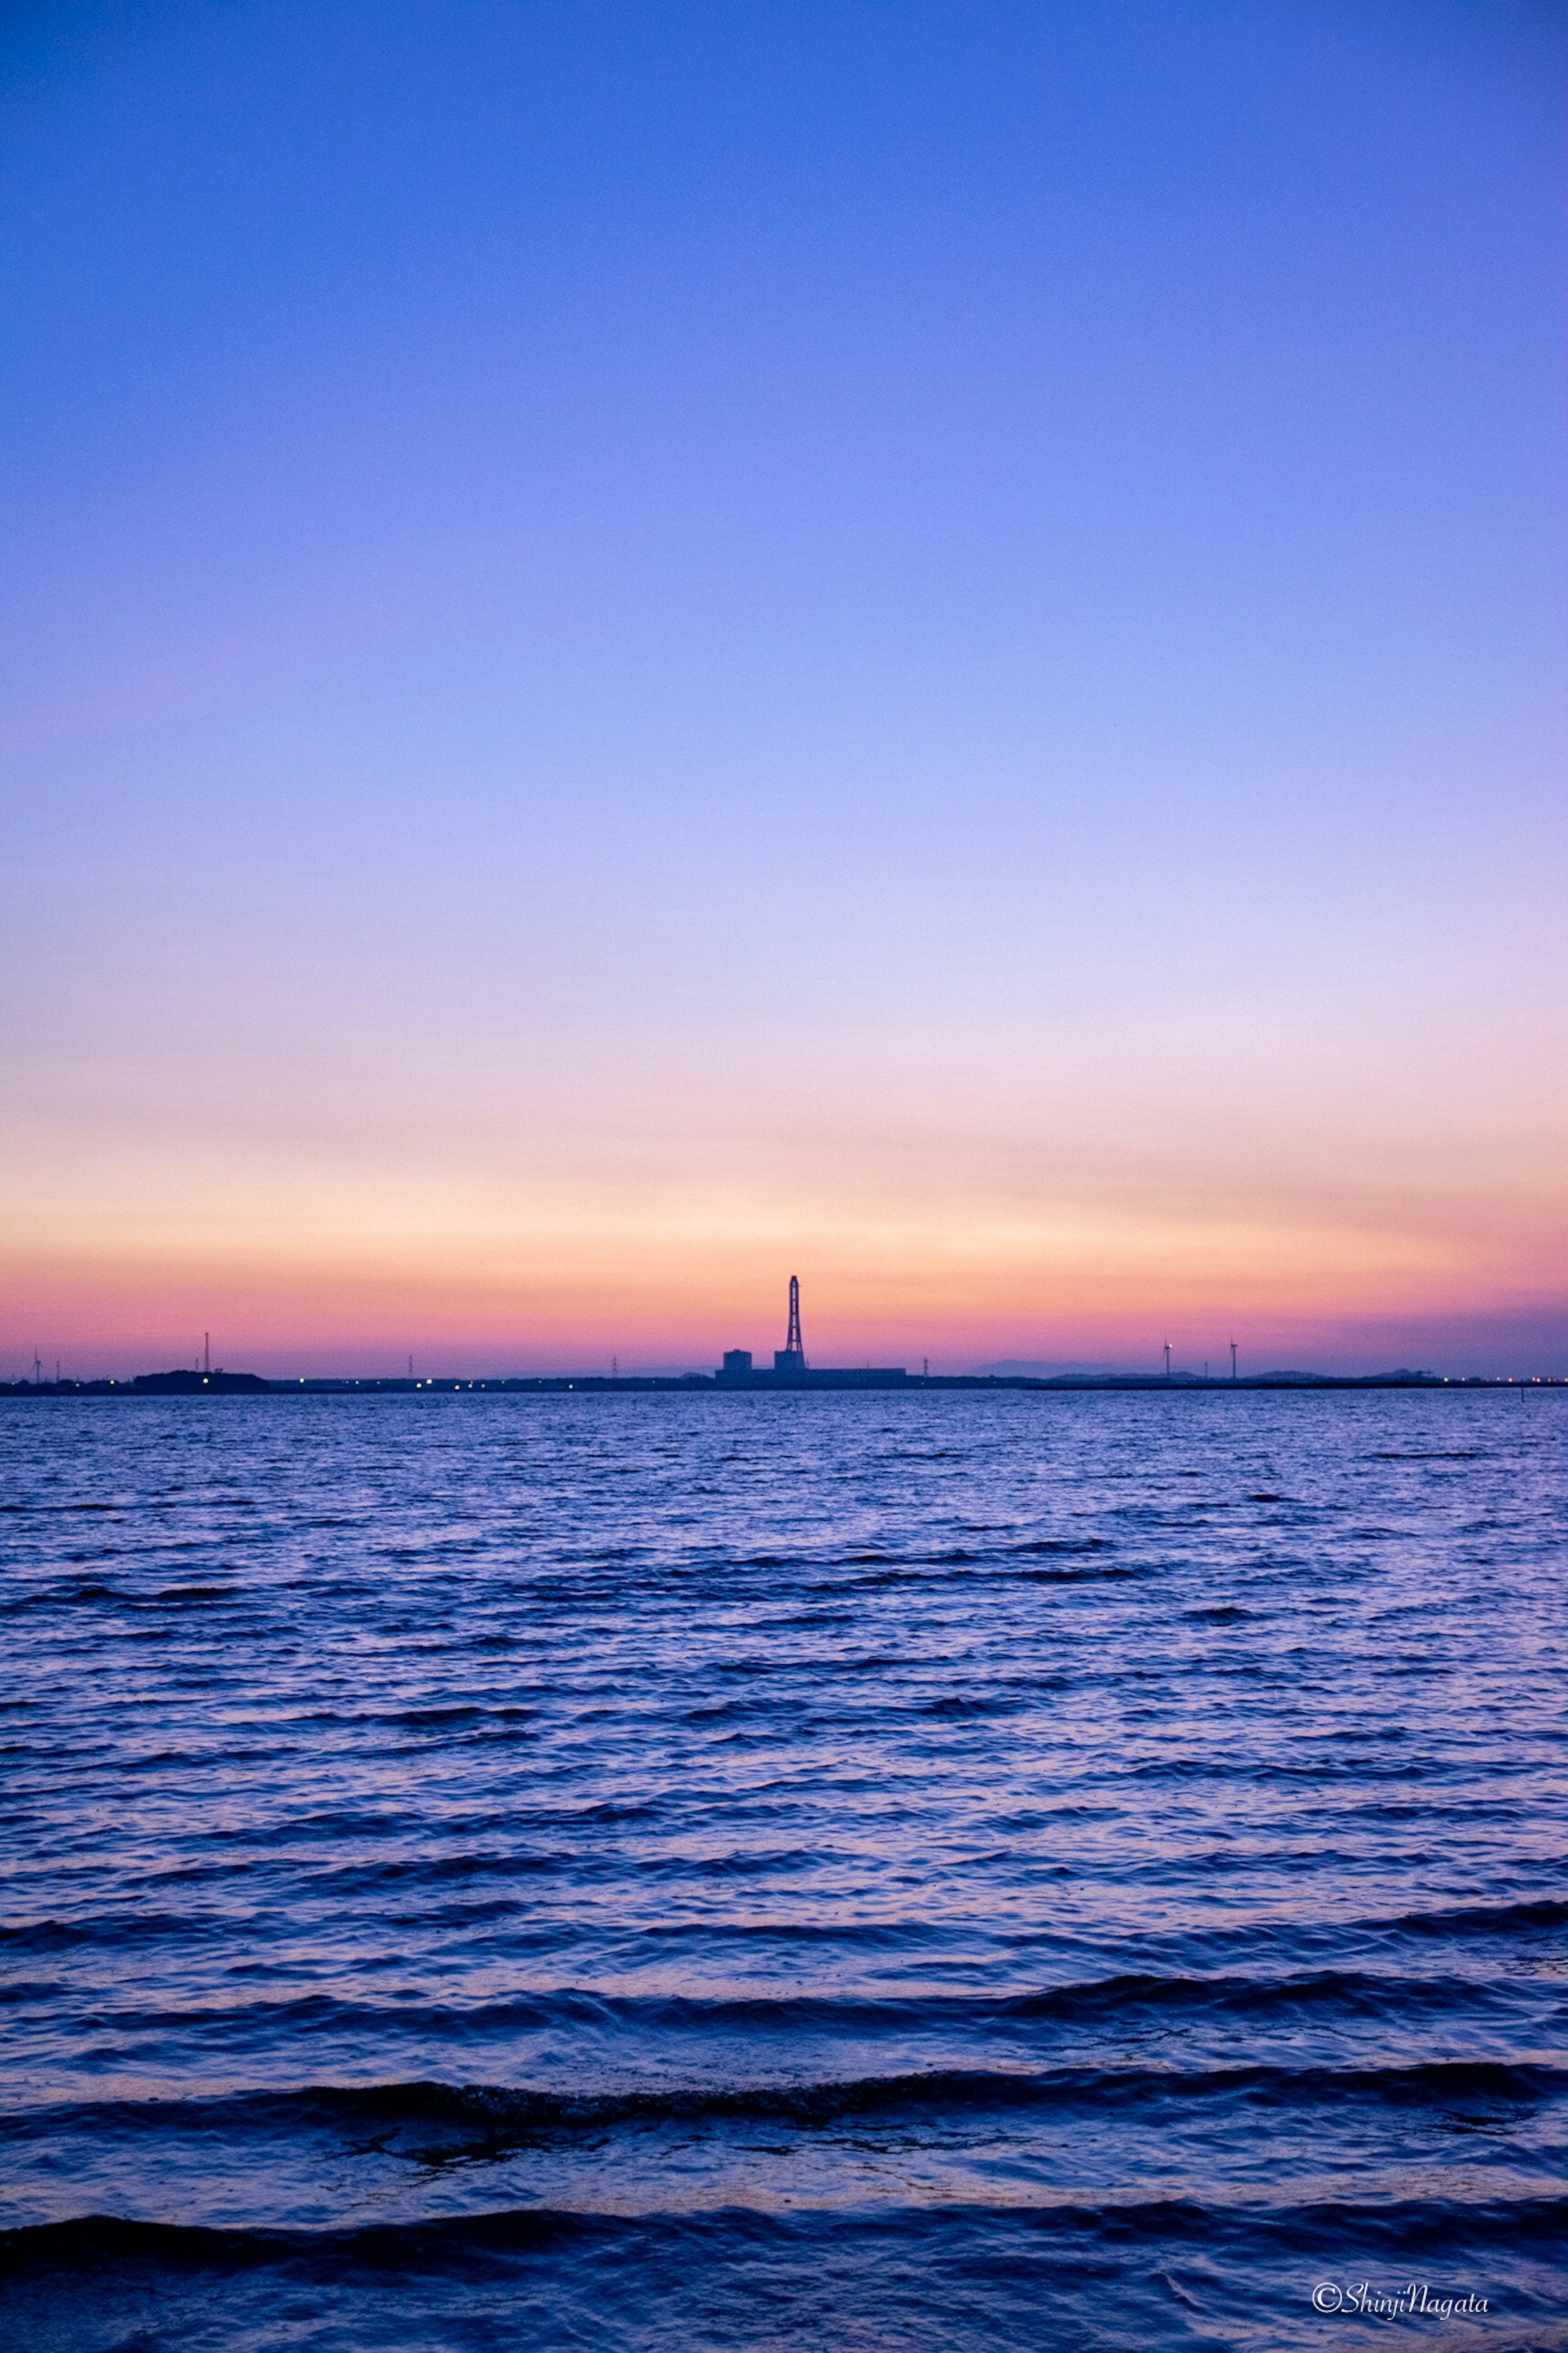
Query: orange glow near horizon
331,1195
957,1281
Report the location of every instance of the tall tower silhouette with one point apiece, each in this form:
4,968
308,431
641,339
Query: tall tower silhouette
791,1358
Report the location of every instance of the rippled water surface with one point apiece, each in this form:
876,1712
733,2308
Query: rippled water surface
943,1871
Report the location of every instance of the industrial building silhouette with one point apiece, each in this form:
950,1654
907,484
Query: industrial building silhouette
791,1369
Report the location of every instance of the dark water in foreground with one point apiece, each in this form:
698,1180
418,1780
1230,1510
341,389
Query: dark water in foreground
938,1872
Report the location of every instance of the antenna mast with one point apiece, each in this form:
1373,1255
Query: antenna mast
790,1360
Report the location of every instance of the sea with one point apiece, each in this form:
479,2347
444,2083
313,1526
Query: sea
662,1873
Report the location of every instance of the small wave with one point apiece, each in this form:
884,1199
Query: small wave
1066,1544
1111,1573
1328,1996
505,2116
1339,1991
67,1597
1433,1454
55,1511
116,1931
1430,2227
434,1719
1486,1918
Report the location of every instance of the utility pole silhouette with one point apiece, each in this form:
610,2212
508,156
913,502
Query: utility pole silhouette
1233,1360
1167,1360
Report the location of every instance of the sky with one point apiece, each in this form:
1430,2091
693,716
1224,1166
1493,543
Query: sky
649,647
